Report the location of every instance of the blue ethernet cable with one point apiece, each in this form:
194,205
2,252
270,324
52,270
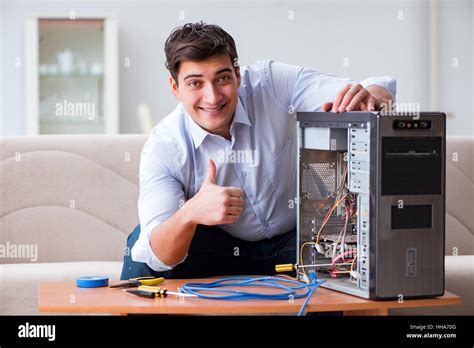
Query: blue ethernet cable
288,289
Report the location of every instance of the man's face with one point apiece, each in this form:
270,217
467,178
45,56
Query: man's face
208,91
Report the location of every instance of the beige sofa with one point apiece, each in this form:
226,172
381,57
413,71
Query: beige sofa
75,198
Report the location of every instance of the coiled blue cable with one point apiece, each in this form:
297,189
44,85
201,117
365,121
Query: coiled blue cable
288,291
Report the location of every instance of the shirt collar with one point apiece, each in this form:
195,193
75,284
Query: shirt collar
240,115
198,134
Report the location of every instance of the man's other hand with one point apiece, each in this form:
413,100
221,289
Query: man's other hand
354,97
215,205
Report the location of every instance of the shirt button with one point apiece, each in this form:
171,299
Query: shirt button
253,201
265,224
243,175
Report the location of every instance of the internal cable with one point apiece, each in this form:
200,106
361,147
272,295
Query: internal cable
328,215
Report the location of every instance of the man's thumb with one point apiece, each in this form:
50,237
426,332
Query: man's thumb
211,173
327,107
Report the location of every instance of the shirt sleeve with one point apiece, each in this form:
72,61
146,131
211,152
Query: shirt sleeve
161,195
305,89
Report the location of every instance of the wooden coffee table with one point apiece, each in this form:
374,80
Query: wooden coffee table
67,298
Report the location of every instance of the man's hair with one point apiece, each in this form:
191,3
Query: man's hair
198,42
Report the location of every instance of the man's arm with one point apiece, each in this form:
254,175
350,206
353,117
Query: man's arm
382,94
308,90
171,239
212,205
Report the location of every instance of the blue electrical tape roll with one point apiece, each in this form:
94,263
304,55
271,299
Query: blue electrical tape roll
92,282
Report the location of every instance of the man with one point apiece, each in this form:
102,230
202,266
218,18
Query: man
218,175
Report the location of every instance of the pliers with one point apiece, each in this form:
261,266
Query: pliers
136,282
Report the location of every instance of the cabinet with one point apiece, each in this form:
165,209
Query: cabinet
71,70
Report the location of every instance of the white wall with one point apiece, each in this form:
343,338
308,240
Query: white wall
378,37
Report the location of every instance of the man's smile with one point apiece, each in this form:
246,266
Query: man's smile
212,111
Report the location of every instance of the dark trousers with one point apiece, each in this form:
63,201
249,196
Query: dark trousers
214,252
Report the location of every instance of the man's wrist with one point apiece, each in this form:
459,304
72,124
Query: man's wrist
187,214
381,93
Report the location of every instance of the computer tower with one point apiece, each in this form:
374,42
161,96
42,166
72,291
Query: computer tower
371,202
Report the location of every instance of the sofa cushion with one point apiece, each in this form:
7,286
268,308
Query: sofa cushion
73,196
19,282
459,273
459,195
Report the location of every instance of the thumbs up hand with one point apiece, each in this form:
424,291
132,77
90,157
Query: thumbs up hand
214,204
211,172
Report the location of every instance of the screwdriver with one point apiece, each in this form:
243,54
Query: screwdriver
153,291
154,288
158,292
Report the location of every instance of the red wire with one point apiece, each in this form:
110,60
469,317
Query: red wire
339,257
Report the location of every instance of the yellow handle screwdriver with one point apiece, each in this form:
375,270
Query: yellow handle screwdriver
157,292
287,267
154,288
